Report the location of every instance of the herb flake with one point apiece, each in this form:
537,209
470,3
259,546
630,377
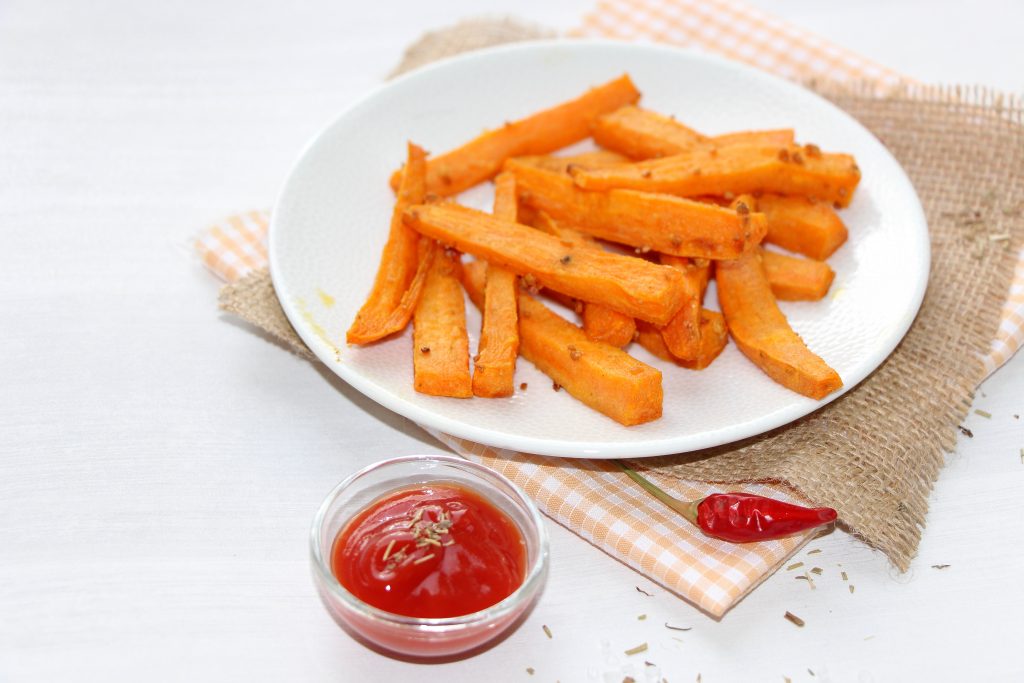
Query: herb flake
642,647
797,621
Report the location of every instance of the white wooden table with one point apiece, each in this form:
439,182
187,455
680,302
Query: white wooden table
160,464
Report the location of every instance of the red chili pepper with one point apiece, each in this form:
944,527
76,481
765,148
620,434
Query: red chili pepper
741,517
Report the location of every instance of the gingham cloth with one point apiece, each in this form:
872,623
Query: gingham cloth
593,498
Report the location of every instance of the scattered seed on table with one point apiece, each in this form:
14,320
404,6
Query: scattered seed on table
965,431
529,670
845,578
814,552
984,413
677,628
795,565
851,588
642,647
547,631
939,566
641,617
817,570
641,590
794,619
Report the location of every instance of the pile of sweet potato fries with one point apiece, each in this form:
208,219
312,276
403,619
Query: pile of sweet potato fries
687,206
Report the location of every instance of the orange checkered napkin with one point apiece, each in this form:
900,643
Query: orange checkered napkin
590,497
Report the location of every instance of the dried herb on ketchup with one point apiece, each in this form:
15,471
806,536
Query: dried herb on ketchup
740,517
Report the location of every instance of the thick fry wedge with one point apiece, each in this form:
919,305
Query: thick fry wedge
494,365
541,133
732,170
602,376
658,222
682,333
642,134
440,343
801,225
600,323
796,279
403,265
713,337
762,332
625,284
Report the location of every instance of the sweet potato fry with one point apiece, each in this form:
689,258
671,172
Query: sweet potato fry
601,158
658,222
495,363
735,169
403,265
602,376
682,333
642,134
600,323
796,279
440,343
626,284
762,332
713,337
540,133
801,225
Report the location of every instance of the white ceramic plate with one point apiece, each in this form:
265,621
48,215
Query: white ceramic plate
331,222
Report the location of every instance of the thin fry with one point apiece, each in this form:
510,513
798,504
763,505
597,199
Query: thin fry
628,285
734,169
682,333
762,332
403,265
643,134
657,222
495,363
440,342
540,133
602,376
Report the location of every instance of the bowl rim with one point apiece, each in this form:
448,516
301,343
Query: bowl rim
520,597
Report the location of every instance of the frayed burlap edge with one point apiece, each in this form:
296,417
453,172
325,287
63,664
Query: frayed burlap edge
875,453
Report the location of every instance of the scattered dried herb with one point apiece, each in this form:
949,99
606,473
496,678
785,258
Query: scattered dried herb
641,617
646,663
817,570
642,647
984,413
806,577
814,552
795,565
965,431
628,679
845,577
851,588
547,631
809,671
940,566
523,386
795,619
428,556
677,628
641,590
529,670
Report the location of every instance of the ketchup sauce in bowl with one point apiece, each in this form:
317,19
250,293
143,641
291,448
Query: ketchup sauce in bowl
428,555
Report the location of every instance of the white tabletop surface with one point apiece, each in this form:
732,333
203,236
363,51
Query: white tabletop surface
160,463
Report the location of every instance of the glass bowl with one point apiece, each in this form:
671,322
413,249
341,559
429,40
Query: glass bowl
421,637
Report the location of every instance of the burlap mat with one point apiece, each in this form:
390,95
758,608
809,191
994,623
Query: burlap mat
875,453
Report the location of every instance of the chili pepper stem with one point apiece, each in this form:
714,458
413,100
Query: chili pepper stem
687,509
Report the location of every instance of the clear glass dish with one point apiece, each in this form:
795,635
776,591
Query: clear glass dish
411,635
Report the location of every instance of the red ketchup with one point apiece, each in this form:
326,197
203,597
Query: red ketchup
433,551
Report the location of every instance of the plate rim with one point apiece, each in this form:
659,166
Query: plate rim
427,419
